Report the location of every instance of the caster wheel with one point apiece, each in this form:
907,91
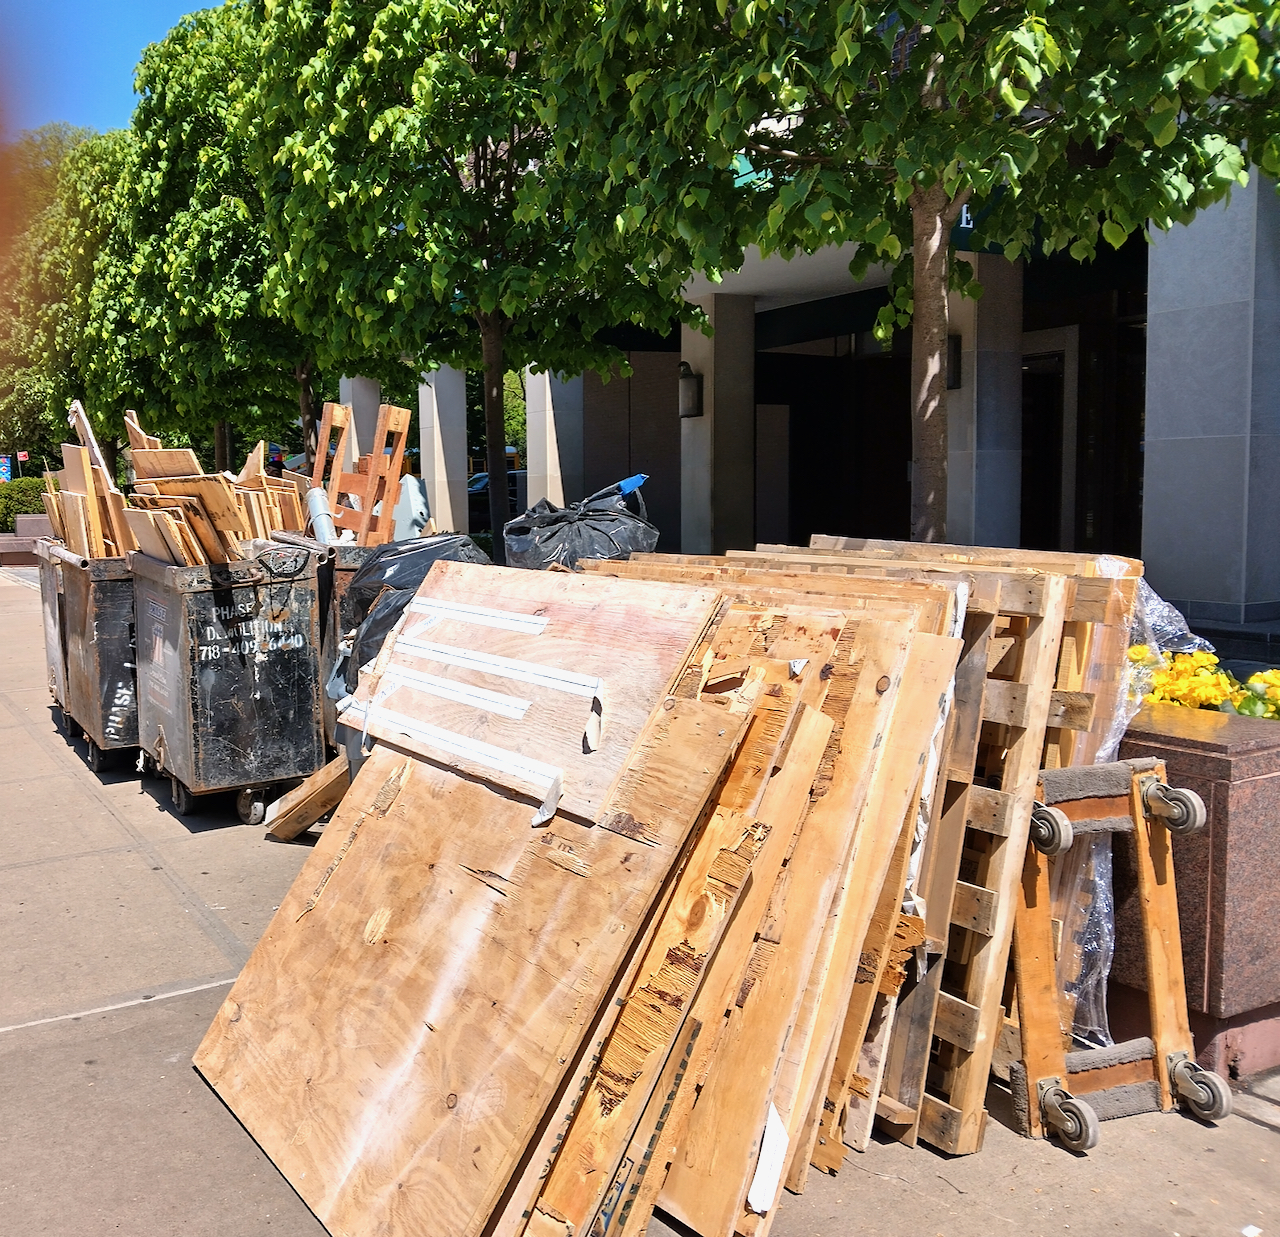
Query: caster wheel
184,802
251,806
71,726
147,765
1181,810
1208,1097
1051,831
96,758
1079,1129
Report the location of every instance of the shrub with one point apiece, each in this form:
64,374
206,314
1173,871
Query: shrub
20,496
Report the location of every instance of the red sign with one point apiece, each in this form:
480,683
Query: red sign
22,455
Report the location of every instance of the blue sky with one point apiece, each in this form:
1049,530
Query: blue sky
73,60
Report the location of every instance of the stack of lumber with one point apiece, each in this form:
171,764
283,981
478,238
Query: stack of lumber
177,513
181,514
586,931
86,509
1040,682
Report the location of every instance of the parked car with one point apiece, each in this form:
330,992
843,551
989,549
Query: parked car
478,497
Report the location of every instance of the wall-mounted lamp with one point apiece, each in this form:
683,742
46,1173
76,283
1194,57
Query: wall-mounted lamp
690,391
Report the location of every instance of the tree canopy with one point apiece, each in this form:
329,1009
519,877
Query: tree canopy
804,123
402,154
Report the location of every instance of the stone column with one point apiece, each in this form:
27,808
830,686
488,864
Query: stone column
363,395
442,424
984,416
718,449
1211,502
553,429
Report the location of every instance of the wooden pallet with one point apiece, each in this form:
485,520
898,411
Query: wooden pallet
353,496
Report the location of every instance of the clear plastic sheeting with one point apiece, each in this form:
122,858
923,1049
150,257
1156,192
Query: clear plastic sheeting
1084,904
1082,896
1157,631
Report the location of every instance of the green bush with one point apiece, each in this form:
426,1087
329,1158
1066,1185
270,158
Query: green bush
21,496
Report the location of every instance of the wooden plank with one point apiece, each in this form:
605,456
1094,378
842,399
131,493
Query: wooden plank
706,1185
560,624
177,533
147,538
919,716
956,1021
1162,940
651,1020
894,1113
168,462
138,439
943,1126
784,797
78,419
295,812
1091,1081
991,811
216,495
76,523
53,510
212,548
862,1098
728,979
828,1153
974,908
113,502
463,965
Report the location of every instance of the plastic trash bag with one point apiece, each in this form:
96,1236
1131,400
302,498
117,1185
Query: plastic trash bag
385,584
602,526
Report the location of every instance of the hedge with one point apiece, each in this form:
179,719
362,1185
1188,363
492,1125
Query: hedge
20,496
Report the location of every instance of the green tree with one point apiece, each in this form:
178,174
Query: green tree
404,163
32,287
192,226
800,123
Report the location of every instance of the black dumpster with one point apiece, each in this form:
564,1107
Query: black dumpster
229,674
89,647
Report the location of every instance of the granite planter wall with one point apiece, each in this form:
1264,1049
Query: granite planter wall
1228,885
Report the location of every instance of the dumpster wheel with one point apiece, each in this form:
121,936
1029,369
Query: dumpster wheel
184,802
251,805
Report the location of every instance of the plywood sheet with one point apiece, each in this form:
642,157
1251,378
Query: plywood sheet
407,1017
527,677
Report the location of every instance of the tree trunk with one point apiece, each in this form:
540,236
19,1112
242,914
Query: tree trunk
221,446
307,412
492,329
110,447
932,215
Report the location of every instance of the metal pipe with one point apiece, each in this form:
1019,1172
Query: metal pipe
322,524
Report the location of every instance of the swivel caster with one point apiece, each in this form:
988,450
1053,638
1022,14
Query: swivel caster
70,725
1205,1093
1072,1120
147,765
184,802
1051,830
251,806
1181,811
95,757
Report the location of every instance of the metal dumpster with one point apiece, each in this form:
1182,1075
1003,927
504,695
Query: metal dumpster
89,647
229,674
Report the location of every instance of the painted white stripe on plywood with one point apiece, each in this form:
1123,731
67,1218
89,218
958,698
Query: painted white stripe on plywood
461,693
507,620
505,667
547,777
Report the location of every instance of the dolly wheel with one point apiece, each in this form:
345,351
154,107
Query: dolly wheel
184,802
252,806
1181,810
1078,1129
1205,1093
1051,830
95,758
70,725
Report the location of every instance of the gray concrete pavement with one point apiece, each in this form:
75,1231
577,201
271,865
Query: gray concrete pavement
124,925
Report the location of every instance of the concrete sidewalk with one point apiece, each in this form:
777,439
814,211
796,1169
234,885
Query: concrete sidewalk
124,926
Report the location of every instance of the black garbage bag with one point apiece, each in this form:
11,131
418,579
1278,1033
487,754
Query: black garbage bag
602,526
385,584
